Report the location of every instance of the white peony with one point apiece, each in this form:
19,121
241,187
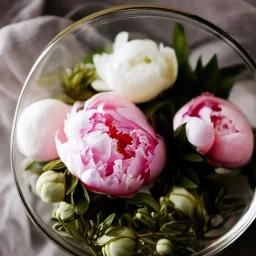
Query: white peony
138,69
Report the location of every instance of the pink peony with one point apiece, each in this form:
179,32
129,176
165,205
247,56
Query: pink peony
218,129
110,146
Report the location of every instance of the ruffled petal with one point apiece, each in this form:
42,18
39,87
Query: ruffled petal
100,144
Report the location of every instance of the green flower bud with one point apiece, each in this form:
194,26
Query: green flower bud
122,245
164,246
182,200
51,186
65,212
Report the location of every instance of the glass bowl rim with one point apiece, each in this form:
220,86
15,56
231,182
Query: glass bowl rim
250,214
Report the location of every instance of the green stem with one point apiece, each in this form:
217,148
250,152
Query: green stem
147,241
142,235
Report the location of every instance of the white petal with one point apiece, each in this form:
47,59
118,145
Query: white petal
201,134
171,60
100,86
120,40
139,70
101,62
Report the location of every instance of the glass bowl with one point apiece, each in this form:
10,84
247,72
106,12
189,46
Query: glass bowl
95,32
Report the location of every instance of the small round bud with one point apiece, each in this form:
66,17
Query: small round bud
65,212
51,186
182,200
122,245
164,246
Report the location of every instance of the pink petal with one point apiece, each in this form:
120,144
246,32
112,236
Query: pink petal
70,154
233,150
159,160
111,185
100,144
128,112
138,164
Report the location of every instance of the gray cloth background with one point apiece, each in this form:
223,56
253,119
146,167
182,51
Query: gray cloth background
26,26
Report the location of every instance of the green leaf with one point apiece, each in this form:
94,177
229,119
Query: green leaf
114,231
127,220
56,165
145,219
185,183
225,85
230,205
168,110
164,128
175,227
66,99
71,230
145,199
209,77
207,202
80,199
107,222
77,79
35,165
193,157
91,229
180,44
232,71
191,175
199,66
76,82
180,133
158,105
221,195
144,210
71,182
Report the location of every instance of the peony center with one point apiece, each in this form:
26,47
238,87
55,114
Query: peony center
123,140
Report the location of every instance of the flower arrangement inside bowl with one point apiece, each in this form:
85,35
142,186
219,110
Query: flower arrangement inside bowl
134,153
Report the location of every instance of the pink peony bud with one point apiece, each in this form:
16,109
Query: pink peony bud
218,129
37,127
110,146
